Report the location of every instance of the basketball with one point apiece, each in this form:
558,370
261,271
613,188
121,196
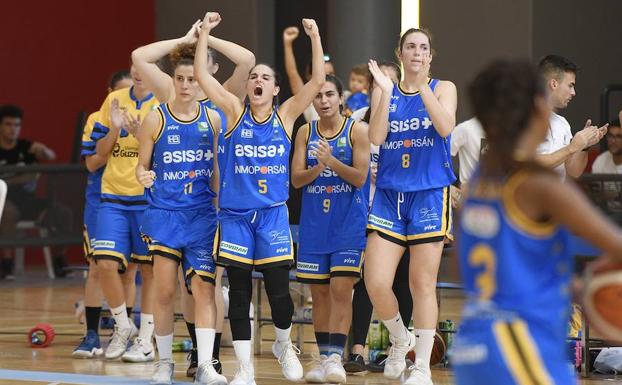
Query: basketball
438,351
603,299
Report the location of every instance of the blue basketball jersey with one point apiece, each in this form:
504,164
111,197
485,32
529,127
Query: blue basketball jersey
512,264
183,160
334,213
414,156
255,169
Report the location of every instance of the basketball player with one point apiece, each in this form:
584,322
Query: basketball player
411,122
145,59
177,166
514,241
330,164
118,241
90,346
253,222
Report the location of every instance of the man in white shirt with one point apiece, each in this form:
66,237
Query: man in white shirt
560,150
468,142
610,161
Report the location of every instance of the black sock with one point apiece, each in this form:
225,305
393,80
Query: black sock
129,313
216,352
193,334
92,317
361,313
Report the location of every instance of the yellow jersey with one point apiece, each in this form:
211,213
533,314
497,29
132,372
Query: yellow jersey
119,187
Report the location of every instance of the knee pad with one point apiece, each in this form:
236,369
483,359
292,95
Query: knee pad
282,309
239,304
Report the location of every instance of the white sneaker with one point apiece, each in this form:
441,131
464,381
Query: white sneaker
420,375
244,376
317,375
287,355
335,373
118,342
207,375
396,361
140,351
164,372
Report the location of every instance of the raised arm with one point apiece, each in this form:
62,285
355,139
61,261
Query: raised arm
215,179
441,104
291,69
225,100
244,61
380,100
294,106
301,175
146,57
147,133
357,173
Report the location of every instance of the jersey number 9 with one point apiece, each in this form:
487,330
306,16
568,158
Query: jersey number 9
263,186
326,205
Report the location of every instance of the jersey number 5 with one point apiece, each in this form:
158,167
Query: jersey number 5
263,186
483,256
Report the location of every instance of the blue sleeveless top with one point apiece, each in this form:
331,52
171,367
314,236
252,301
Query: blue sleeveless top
183,160
333,215
414,156
254,172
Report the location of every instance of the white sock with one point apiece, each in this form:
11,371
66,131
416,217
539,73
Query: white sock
423,348
165,346
283,335
146,327
396,327
119,314
205,344
242,350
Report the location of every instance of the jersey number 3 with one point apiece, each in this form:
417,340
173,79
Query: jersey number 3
483,256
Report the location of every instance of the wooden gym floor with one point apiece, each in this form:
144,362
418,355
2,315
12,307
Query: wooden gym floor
34,299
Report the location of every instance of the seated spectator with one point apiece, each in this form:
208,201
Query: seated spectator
22,203
610,161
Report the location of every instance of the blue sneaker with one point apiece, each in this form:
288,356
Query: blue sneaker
89,347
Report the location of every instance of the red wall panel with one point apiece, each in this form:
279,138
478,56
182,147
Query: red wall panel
56,58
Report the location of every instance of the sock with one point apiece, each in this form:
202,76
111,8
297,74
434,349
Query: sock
396,327
120,316
193,334
323,342
242,350
205,344
129,312
146,327
337,343
282,335
216,351
92,317
423,348
165,346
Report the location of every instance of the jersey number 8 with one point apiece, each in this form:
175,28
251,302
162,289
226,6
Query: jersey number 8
405,160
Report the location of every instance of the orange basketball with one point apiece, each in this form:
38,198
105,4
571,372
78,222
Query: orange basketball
438,351
602,299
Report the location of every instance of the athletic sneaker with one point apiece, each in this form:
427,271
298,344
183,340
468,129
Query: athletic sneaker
193,358
355,364
118,342
217,365
244,376
396,361
140,351
89,347
206,375
287,355
419,375
164,372
317,375
335,373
